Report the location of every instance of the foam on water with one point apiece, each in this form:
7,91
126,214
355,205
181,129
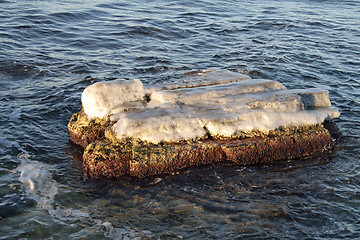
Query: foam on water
38,185
37,181
215,102
51,51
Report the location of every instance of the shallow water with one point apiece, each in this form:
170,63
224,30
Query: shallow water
50,51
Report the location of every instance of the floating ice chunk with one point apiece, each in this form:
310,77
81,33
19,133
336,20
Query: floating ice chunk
101,98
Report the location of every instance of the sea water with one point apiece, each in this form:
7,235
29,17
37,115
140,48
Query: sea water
50,51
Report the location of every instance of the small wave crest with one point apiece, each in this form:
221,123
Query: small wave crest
38,185
37,181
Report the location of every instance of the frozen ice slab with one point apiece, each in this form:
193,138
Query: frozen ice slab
205,78
191,95
219,103
159,125
99,99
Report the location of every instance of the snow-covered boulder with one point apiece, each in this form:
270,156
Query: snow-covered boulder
211,105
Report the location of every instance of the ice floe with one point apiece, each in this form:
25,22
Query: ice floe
216,102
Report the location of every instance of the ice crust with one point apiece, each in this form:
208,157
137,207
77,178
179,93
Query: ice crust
99,99
216,102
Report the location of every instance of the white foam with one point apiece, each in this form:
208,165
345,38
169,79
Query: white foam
37,182
218,102
38,185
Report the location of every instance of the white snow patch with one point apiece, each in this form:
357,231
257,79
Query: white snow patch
192,95
229,125
218,102
205,78
158,125
101,98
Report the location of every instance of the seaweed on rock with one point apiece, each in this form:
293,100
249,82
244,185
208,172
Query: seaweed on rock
215,116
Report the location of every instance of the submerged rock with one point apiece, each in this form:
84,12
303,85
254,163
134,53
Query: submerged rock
128,128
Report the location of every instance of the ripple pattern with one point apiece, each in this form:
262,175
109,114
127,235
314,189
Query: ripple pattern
51,50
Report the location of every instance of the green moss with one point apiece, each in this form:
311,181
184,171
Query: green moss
92,130
107,156
84,131
139,159
105,149
281,131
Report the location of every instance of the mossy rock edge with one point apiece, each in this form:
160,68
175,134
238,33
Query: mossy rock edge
104,156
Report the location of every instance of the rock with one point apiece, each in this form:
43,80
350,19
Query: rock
83,131
105,158
203,118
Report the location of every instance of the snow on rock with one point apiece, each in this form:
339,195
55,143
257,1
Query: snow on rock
100,99
191,95
215,102
205,78
159,124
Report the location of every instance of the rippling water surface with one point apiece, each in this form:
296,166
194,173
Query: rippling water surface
51,50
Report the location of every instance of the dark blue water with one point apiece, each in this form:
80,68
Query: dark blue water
51,50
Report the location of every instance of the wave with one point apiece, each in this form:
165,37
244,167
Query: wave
39,186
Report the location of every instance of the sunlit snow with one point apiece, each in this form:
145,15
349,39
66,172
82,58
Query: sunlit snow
215,102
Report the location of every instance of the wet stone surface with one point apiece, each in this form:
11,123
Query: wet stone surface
128,128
